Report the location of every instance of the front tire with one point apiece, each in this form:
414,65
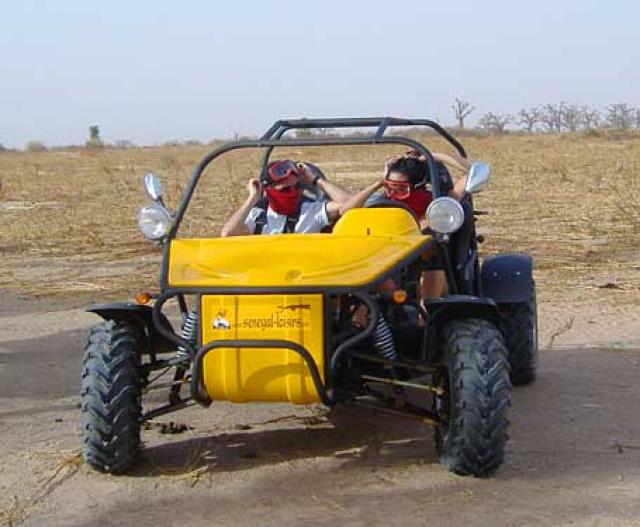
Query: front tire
111,396
474,408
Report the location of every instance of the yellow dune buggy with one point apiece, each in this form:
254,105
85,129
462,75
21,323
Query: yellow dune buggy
271,318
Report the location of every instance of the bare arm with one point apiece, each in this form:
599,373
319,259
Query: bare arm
453,161
235,226
459,163
337,195
357,200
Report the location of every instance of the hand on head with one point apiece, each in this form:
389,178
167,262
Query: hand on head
255,188
388,163
304,174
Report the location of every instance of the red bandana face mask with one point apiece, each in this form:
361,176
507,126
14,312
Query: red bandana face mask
417,200
284,201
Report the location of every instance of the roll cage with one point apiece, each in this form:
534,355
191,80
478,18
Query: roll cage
273,137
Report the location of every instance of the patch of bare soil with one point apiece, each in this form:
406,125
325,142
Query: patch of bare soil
574,452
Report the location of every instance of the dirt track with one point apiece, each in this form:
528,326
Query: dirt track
573,457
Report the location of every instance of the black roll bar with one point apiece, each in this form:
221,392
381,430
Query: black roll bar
278,128
273,138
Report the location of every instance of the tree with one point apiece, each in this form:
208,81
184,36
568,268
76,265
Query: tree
591,117
637,118
94,137
496,122
620,115
551,117
570,116
2,148
462,109
529,118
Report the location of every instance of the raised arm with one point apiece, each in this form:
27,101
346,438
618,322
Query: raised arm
453,161
459,163
337,195
358,199
235,225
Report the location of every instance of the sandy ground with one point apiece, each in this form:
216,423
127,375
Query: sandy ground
573,457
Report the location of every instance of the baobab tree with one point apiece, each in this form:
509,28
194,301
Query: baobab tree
620,115
496,122
591,117
551,117
529,118
570,116
462,109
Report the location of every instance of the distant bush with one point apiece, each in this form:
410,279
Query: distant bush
172,142
192,142
2,148
124,143
35,146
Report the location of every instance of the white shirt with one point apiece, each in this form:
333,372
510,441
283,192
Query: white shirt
313,218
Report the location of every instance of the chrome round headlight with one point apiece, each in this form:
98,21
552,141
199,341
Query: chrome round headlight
445,215
154,221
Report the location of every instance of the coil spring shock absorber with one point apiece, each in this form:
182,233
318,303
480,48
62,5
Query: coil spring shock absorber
383,339
189,332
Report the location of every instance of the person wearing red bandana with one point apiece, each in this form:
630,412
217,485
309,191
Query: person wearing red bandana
405,181
277,203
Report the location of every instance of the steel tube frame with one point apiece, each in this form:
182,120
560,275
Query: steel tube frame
273,138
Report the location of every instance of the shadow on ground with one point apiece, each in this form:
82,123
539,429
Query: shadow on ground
346,434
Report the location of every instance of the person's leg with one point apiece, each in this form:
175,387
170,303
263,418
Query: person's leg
360,314
433,284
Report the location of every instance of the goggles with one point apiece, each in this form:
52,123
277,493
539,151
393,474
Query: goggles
397,189
283,172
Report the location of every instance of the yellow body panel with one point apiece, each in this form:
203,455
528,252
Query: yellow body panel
364,245
246,374
377,222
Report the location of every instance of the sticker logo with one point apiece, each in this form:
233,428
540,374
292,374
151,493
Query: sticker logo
294,307
220,322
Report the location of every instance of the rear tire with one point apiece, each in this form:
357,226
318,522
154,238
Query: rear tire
111,396
519,326
474,410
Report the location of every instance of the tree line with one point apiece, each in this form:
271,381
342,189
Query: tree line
550,117
554,117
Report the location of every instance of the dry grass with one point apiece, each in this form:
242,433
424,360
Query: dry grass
61,465
67,218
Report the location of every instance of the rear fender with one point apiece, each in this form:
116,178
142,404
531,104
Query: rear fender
507,278
442,310
140,315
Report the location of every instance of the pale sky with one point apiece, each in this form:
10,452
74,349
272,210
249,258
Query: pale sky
151,71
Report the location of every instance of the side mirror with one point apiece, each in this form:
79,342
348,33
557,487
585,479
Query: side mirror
153,187
478,178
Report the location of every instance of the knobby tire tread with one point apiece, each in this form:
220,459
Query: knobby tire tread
111,396
517,324
473,442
